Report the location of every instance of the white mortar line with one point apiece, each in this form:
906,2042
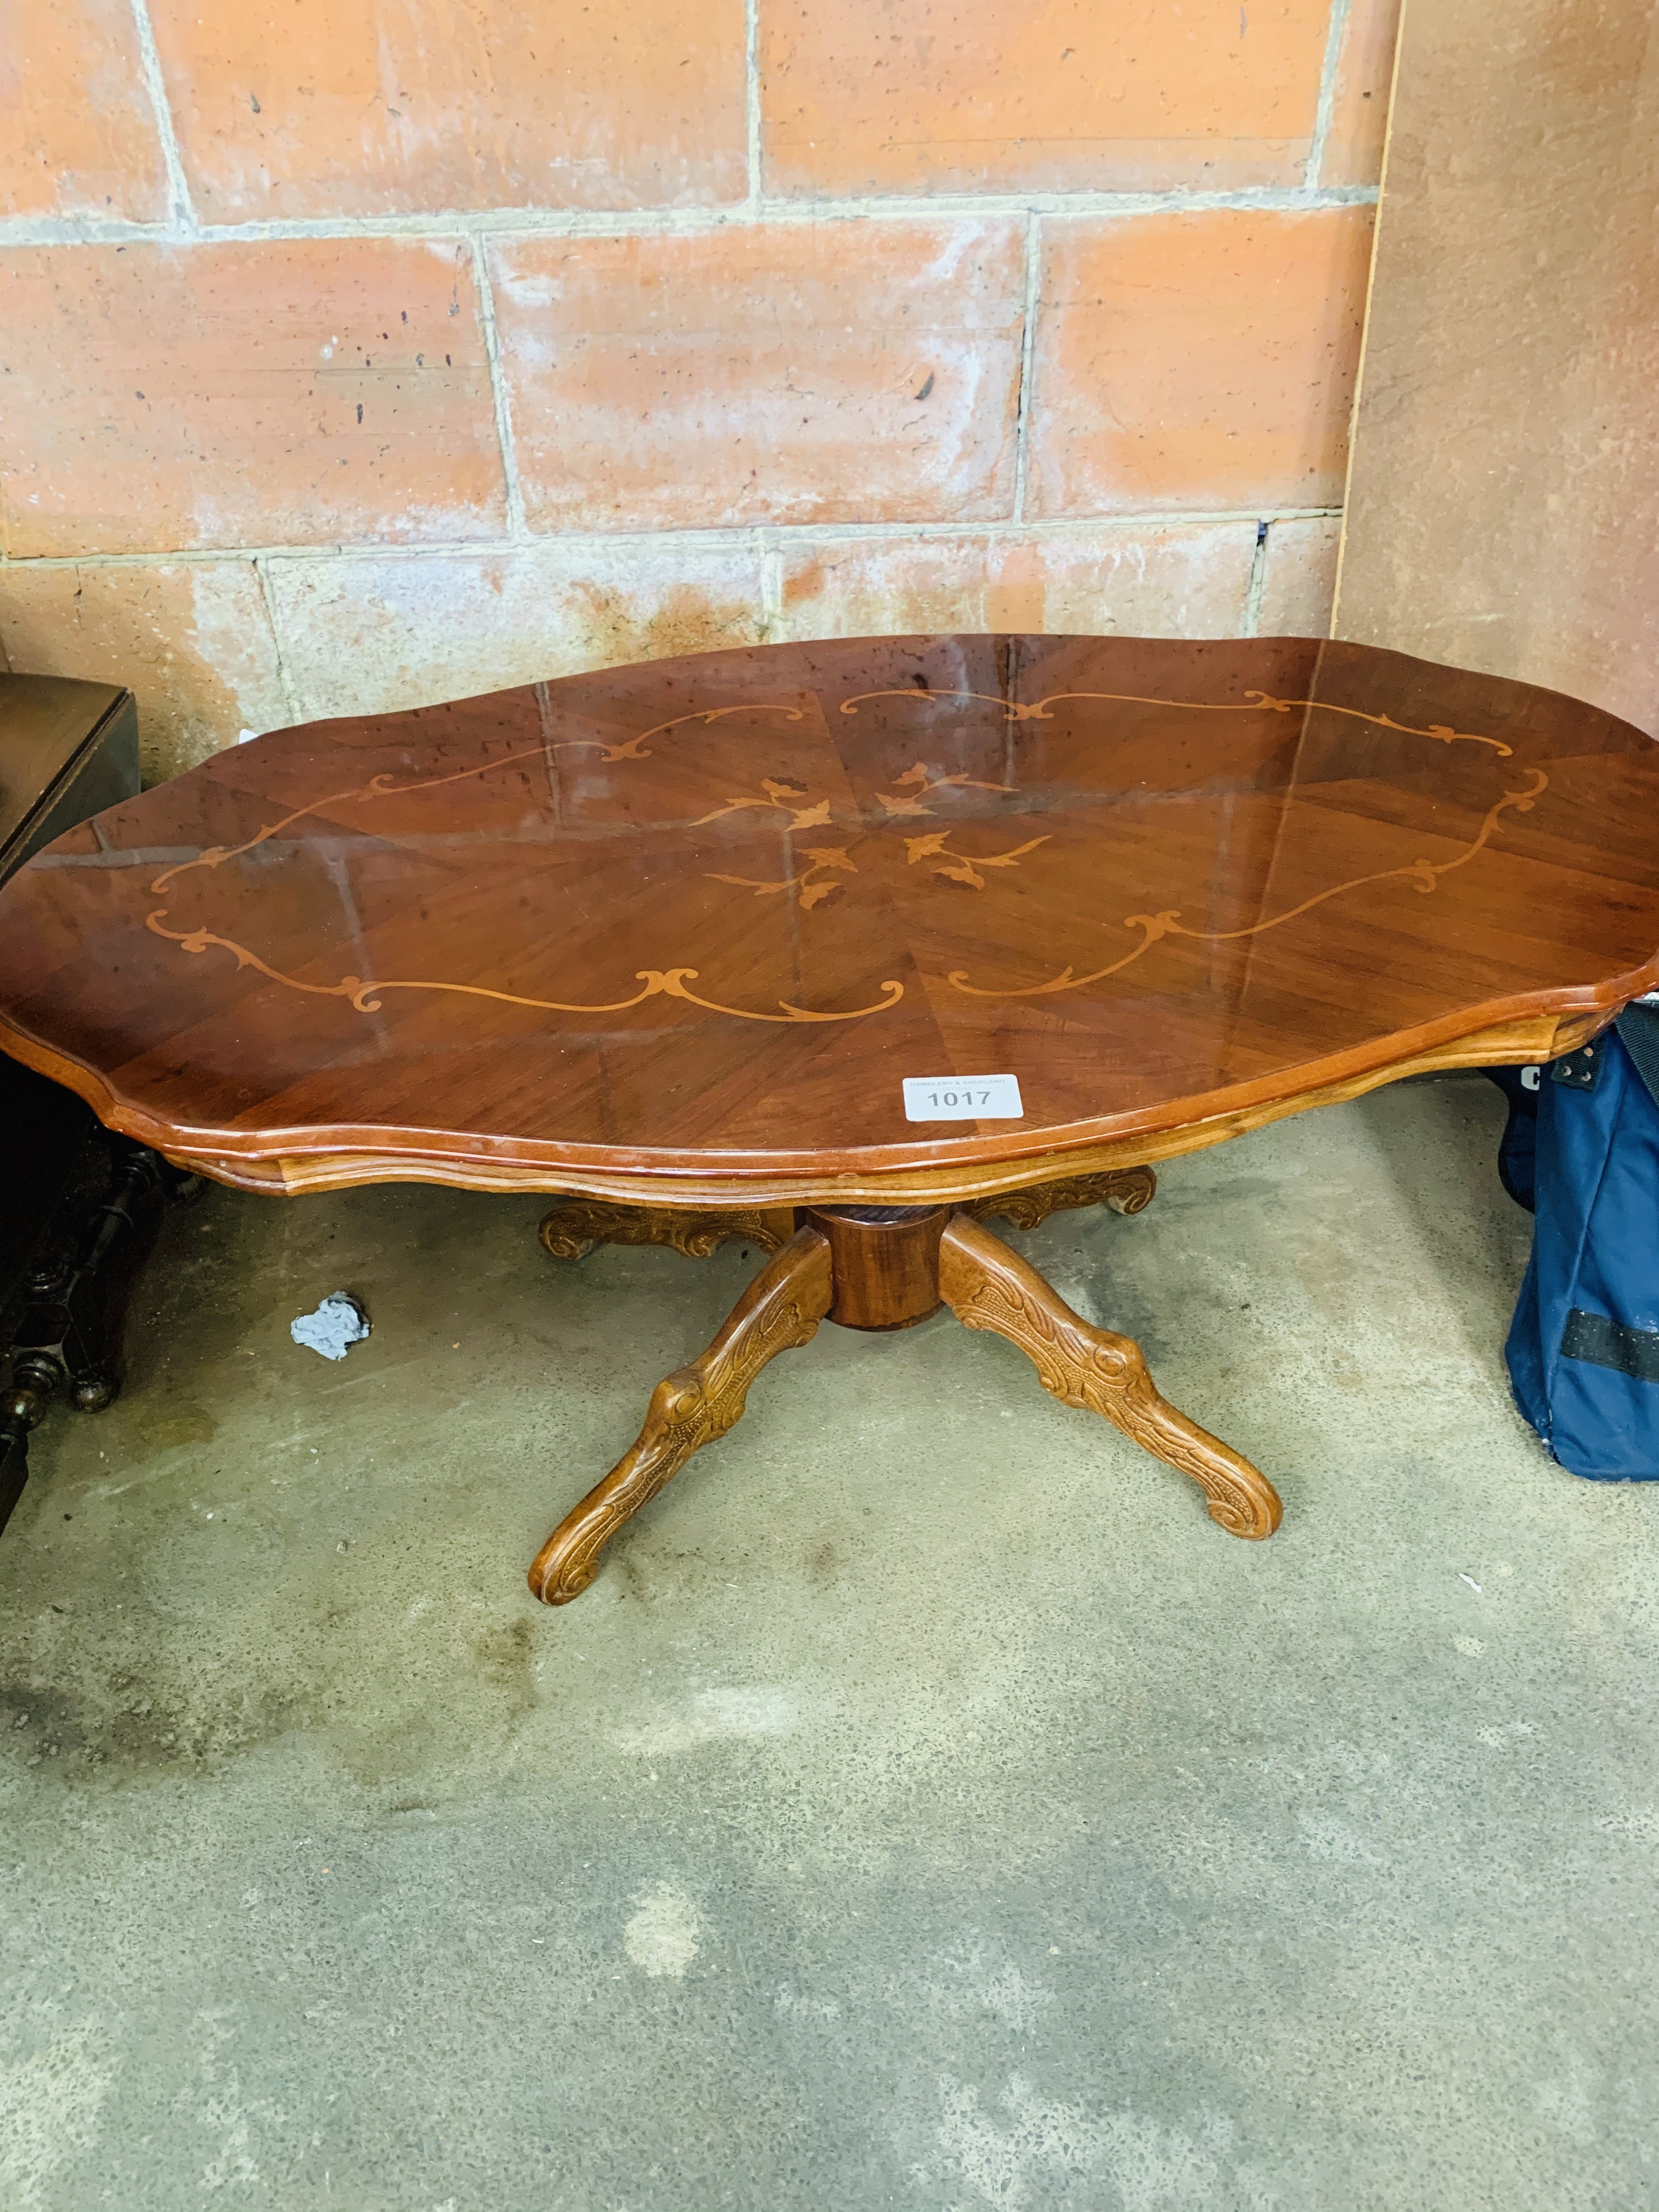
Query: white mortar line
279,644
518,528
1327,77
752,95
595,544
182,222
626,222
1027,350
1250,622
771,550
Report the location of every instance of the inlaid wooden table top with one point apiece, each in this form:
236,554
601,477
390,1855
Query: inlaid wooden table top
683,930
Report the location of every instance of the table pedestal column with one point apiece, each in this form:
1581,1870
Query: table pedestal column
885,1262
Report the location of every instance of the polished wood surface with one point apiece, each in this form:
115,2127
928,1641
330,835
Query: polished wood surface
704,1181
67,748
677,934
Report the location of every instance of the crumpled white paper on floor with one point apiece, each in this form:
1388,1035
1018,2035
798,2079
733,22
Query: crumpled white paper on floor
337,1324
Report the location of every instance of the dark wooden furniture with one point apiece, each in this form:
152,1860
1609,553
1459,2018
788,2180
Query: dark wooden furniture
67,750
669,941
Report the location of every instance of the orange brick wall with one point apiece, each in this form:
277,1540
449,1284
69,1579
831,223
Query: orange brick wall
356,355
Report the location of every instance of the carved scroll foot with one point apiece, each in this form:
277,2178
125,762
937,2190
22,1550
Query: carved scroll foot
781,1308
987,1286
1126,1190
575,1225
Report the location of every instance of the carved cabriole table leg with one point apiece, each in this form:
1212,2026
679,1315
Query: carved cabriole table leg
883,1267
781,1308
575,1225
988,1286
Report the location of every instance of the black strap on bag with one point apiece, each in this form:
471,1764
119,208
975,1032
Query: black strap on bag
1638,1032
1518,1145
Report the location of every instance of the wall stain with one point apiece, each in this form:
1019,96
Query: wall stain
617,629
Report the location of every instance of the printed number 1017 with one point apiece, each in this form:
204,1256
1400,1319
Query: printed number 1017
961,1098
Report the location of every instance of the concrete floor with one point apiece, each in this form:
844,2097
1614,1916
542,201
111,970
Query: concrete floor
926,1807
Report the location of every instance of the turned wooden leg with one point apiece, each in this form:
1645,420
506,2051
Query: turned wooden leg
781,1308
575,1225
987,1286
1126,1190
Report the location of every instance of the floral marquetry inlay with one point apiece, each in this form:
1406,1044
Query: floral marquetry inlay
828,866
824,871
683,930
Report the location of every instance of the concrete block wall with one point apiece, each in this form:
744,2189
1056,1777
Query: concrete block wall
362,356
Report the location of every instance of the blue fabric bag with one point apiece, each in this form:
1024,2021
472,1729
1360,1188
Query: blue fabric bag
1584,1348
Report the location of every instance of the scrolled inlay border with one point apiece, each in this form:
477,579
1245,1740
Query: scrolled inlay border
827,866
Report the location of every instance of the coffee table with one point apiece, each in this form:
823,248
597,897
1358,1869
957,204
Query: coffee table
844,948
